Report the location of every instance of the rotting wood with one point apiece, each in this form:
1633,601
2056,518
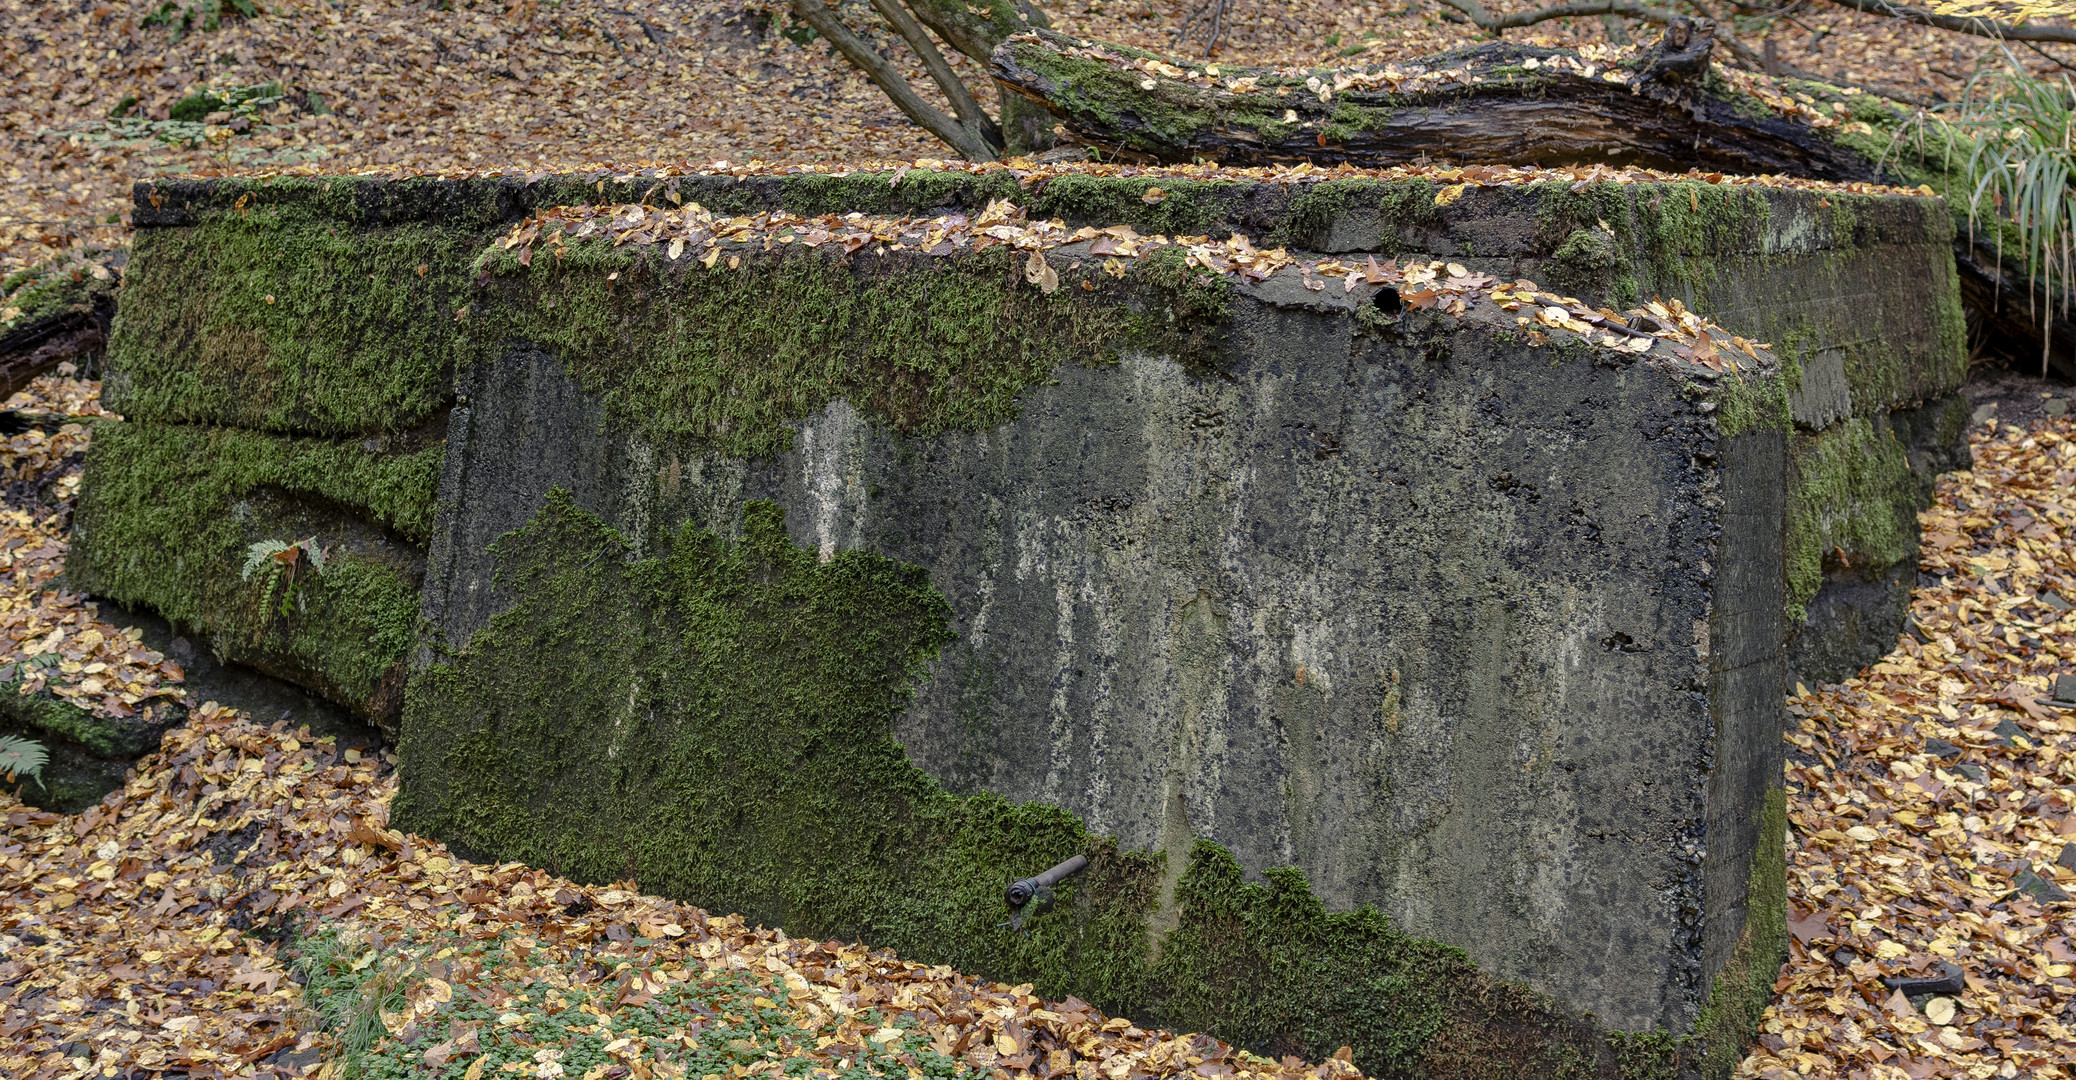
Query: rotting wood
1498,102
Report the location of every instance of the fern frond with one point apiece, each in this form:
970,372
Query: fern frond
258,555
25,757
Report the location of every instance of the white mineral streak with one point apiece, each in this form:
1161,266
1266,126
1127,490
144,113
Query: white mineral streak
832,469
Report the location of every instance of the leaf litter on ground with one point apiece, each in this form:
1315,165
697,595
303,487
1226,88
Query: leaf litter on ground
1932,848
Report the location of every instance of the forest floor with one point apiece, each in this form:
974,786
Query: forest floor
541,85
1932,809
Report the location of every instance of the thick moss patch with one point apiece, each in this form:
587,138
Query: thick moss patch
927,345
282,317
166,514
1852,503
715,722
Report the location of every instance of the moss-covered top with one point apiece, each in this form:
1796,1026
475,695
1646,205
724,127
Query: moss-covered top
1193,198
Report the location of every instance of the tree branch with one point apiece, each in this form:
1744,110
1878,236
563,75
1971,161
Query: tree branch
1493,24
1988,28
890,80
971,116
1745,54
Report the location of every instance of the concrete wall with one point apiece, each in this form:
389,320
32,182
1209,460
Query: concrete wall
1430,620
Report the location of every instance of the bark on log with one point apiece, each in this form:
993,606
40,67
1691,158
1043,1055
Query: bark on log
2006,308
71,325
1497,102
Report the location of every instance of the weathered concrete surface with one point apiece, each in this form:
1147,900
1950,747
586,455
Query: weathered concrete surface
1483,635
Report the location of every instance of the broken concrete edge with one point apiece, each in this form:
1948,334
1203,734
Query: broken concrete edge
167,517
854,841
89,754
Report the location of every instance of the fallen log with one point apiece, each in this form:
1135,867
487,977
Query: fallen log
60,315
1657,106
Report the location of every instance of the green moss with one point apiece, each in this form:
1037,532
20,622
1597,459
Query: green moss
1744,987
740,754
1851,492
737,752
1586,262
1749,400
49,716
63,286
1173,113
1268,966
1399,208
1350,121
1185,207
919,192
166,514
926,345
284,317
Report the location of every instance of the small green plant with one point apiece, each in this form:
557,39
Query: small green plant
181,18
279,564
23,757
351,985
2010,144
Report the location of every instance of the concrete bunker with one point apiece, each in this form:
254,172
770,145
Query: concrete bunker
1406,655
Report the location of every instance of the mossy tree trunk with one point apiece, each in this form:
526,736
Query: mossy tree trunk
1497,103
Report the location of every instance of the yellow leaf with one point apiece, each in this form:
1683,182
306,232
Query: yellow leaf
475,1071
713,255
677,248
1040,273
1457,270
1940,1010
1863,834
1005,1045
1889,950
1449,194
1153,195
889,1034
439,990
